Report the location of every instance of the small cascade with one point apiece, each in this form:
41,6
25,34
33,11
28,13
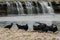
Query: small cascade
8,4
34,8
37,7
8,7
47,8
52,10
29,7
17,8
24,7
43,8
20,8
14,8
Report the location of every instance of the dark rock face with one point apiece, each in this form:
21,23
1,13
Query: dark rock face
56,7
3,9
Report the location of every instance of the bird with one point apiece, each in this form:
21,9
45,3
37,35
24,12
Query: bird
42,27
53,28
24,27
9,26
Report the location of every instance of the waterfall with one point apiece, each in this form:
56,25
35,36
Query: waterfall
43,8
29,7
8,4
51,7
34,8
8,7
47,8
20,8
40,8
17,8
37,7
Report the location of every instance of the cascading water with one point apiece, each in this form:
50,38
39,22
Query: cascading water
17,8
13,9
43,8
24,7
51,7
29,7
37,7
47,8
8,7
20,8
34,8
8,4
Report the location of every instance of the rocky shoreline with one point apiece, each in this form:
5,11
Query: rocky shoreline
15,34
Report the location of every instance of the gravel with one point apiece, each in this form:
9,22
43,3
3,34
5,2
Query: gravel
15,34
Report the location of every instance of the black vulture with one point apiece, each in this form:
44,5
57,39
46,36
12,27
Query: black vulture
42,27
24,27
53,28
9,26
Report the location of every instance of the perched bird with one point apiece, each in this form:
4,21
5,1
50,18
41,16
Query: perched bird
53,28
35,27
42,27
24,27
9,26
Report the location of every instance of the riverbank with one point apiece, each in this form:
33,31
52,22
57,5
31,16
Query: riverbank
15,34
